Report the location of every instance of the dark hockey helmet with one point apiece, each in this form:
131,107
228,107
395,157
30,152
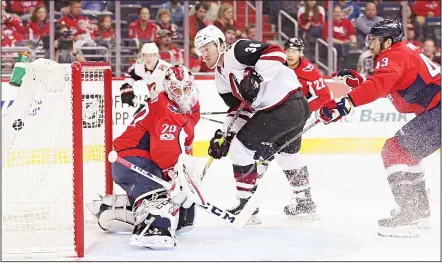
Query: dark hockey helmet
385,29
294,43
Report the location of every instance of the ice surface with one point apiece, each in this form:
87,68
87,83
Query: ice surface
351,193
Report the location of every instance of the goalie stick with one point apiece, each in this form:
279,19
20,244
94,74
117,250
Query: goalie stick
228,218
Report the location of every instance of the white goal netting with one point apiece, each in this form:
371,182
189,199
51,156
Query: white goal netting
38,162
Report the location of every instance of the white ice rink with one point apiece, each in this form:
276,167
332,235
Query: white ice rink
351,193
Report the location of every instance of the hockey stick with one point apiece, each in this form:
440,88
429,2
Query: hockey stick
260,162
259,195
214,113
209,119
227,217
229,127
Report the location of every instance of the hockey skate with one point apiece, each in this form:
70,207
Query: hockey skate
413,205
254,219
302,207
154,238
423,206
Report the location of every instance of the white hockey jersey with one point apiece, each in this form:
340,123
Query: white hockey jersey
153,80
268,60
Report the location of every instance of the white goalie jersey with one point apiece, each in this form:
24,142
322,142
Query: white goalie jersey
268,60
144,81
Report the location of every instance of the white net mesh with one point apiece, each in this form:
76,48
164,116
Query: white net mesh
37,160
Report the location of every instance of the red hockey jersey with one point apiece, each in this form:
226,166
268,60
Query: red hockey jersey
313,85
407,77
159,132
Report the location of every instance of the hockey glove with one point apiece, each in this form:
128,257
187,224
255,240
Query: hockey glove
127,94
249,85
217,150
186,183
349,77
265,150
333,110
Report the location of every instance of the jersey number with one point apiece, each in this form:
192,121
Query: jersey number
433,69
383,64
168,128
252,47
319,84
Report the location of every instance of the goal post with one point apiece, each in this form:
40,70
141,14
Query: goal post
56,136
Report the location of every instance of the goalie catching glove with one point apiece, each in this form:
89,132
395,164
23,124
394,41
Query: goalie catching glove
249,85
334,110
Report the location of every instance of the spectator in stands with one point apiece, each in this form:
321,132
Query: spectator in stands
418,29
105,32
411,37
143,29
225,18
250,32
230,34
84,36
165,18
176,10
212,10
365,64
39,25
65,50
95,6
194,59
12,26
168,52
429,50
71,19
24,7
344,34
365,22
423,9
349,10
197,21
311,17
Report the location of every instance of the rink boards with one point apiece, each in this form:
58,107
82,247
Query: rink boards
363,131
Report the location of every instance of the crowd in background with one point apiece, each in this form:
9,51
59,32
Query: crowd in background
81,24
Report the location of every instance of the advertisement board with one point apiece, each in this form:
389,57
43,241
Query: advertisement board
364,130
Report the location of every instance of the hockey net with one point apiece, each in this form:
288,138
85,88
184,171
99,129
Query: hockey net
56,137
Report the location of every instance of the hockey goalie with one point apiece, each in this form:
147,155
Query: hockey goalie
154,141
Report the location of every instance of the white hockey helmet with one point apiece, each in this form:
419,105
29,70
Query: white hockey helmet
207,35
150,48
179,85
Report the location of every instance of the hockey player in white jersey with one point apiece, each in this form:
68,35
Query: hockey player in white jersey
149,69
270,90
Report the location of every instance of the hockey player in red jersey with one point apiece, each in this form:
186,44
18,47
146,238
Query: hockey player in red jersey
269,89
411,82
154,141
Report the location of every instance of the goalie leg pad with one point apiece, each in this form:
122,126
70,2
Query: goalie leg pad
134,183
186,220
156,220
113,213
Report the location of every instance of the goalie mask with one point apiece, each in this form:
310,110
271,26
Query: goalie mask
179,85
